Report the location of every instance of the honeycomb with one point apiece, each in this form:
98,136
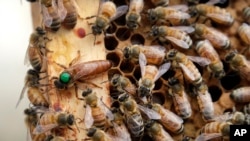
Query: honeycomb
110,47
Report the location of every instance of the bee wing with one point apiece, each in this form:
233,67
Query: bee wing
22,94
224,117
178,42
88,119
219,16
220,41
121,133
187,29
205,137
47,19
199,60
143,63
212,2
43,128
181,7
119,12
162,69
178,15
136,5
149,112
106,110
61,9
187,72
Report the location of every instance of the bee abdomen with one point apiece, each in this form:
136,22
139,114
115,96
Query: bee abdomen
56,24
135,125
37,98
70,20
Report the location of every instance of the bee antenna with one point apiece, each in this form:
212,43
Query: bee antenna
104,81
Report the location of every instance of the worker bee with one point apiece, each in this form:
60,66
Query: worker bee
154,54
170,15
95,112
106,14
214,13
191,73
180,99
53,12
205,102
246,14
80,72
168,120
206,50
34,94
133,17
149,75
160,2
123,84
175,36
241,95
156,131
51,119
238,62
70,19
216,38
236,117
222,128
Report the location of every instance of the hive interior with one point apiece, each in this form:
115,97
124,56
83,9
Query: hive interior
120,36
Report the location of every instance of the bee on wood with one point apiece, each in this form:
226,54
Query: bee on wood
133,17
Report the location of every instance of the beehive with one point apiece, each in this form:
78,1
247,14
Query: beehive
65,44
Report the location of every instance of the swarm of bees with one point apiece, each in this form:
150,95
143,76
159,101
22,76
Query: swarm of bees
159,79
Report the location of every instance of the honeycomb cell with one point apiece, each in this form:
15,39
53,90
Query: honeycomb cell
113,71
215,92
231,80
158,84
112,28
137,73
137,39
158,98
126,66
123,34
110,42
114,57
121,21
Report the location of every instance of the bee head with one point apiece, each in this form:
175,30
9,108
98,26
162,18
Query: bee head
173,81
96,30
143,91
226,130
123,97
171,53
193,11
132,21
154,31
70,119
149,123
230,56
91,132
219,74
86,92
115,79
126,52
63,80
40,31
152,15
29,111
240,118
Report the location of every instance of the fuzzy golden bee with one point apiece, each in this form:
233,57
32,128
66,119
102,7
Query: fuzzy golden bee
180,99
206,50
205,102
160,2
149,75
170,15
133,17
123,84
239,63
214,13
154,54
168,120
157,132
241,95
216,38
174,35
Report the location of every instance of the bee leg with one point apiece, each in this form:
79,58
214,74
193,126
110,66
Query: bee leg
90,17
76,59
76,92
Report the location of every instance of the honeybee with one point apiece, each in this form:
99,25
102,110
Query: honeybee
51,119
175,36
206,50
156,131
214,13
106,14
70,19
172,15
154,54
123,84
180,99
238,62
236,117
222,128
133,17
133,117
241,95
205,102
191,73
216,38
160,2
149,75
34,94
80,72
95,112
53,12
246,14
168,120
98,135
